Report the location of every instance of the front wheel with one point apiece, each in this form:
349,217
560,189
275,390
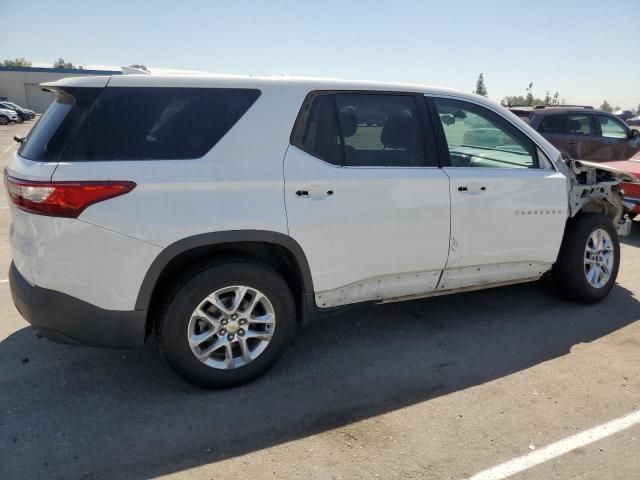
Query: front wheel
587,266
3,120
227,323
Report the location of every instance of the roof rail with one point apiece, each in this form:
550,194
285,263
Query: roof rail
541,107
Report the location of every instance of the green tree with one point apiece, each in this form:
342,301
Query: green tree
18,62
547,98
60,63
556,99
605,107
139,67
530,98
481,89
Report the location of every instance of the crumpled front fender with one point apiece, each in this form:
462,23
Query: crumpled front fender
596,188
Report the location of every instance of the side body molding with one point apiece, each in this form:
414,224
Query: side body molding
218,238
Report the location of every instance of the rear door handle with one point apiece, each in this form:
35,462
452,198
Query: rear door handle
475,188
314,193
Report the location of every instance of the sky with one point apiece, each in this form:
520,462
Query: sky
586,50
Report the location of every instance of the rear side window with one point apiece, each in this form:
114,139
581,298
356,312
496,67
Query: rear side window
362,130
50,135
552,124
141,123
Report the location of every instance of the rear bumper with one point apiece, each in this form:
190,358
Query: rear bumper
66,319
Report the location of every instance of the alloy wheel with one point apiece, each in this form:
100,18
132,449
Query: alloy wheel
231,327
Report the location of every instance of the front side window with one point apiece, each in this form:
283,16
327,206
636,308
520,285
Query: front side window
579,125
362,130
611,128
477,137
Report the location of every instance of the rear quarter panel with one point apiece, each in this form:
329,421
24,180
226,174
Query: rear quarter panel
237,185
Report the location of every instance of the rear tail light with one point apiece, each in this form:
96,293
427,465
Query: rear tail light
62,199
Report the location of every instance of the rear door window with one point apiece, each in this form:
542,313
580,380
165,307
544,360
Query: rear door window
141,123
364,130
579,124
552,124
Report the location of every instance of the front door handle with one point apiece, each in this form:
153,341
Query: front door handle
314,193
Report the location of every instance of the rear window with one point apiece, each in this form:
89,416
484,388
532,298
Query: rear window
137,123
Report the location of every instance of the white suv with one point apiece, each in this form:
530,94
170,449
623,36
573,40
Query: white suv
215,212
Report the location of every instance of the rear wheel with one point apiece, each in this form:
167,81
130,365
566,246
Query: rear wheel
227,323
589,259
20,119
3,120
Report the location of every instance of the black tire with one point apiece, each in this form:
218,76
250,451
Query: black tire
632,216
3,120
20,119
569,275
192,289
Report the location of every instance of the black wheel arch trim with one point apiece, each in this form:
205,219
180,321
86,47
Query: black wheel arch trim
217,238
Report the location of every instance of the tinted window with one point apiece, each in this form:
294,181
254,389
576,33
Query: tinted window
50,135
158,123
477,137
611,128
318,132
579,125
362,130
552,124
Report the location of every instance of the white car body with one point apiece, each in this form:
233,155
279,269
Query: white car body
10,114
383,234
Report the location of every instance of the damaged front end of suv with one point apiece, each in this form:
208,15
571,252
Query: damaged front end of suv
597,188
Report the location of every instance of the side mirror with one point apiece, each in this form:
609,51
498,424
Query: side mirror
448,119
18,139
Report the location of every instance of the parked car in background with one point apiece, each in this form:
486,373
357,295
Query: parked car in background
23,113
631,189
634,121
583,132
229,208
623,114
7,116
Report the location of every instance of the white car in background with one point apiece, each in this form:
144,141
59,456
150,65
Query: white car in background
7,116
215,212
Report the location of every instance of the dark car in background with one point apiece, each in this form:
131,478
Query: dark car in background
23,113
583,132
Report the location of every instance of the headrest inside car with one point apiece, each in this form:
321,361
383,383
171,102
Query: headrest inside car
349,123
398,132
